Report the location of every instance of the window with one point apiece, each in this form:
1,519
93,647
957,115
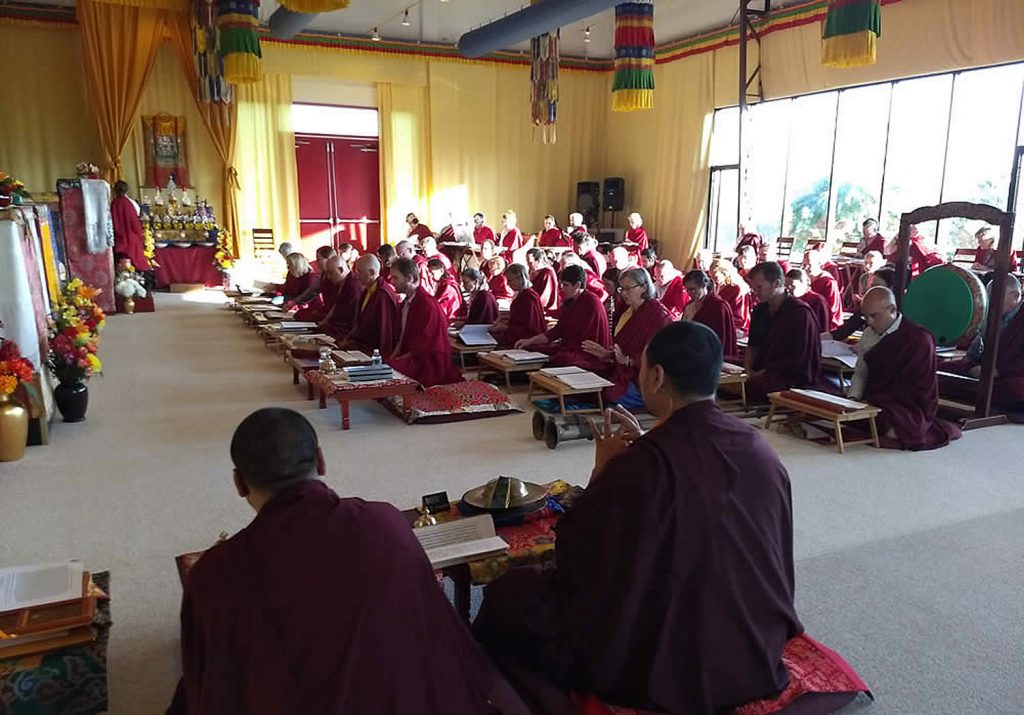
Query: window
334,121
810,159
725,187
766,148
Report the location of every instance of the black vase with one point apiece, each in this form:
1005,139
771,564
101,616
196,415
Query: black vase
72,400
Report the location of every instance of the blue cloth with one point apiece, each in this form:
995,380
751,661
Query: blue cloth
632,399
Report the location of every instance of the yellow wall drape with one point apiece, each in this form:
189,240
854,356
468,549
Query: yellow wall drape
266,161
405,167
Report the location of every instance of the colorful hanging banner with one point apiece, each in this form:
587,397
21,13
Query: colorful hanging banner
312,6
633,86
238,22
544,56
850,33
213,87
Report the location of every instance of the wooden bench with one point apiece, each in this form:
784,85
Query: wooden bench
834,414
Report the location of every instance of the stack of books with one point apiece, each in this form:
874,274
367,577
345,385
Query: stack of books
368,373
45,607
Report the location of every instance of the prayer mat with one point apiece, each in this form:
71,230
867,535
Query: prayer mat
71,681
820,681
458,402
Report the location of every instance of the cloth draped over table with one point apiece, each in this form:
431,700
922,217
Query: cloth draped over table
633,85
99,228
850,33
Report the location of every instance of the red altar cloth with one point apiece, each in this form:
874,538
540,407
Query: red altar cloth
187,265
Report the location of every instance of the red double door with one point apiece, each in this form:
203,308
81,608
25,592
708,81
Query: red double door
339,192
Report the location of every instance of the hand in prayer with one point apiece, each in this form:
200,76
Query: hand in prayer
610,440
621,357
592,348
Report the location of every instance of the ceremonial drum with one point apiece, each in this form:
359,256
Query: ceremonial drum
949,301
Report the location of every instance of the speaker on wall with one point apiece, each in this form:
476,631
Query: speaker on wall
588,201
614,193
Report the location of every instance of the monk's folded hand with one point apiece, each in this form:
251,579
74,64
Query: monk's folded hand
595,349
609,441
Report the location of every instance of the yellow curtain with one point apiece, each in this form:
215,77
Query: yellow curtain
119,44
265,160
405,167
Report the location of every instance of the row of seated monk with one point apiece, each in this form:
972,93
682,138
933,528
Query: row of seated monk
672,588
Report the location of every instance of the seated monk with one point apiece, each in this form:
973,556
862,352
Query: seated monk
481,231
525,317
644,316
318,308
482,307
754,240
430,250
745,261
582,318
574,227
348,293
873,261
671,290
376,325
268,627
733,290
544,279
708,308
301,289
386,255
551,236
882,277
447,294
636,233
1008,391
673,583
872,240
585,247
896,371
349,254
407,249
274,289
511,238
423,352
622,259
595,282
985,258
784,348
825,284
798,286
615,305
417,230
923,254
648,259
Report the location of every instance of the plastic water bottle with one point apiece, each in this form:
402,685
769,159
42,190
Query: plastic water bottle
376,357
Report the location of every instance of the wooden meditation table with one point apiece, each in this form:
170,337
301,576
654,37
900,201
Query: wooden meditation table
345,392
496,362
462,350
837,412
549,385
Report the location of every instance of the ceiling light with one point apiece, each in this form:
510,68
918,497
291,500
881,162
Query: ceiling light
375,36
586,36
405,19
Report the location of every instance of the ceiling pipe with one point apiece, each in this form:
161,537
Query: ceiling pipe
286,24
532,21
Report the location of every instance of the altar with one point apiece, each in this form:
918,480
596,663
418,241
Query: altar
186,264
182,233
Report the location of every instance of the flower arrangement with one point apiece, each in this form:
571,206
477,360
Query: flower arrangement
87,170
149,244
12,191
223,259
74,333
14,369
128,285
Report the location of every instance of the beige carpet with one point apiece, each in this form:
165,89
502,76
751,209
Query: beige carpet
147,477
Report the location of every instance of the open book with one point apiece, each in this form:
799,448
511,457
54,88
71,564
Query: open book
476,336
520,356
577,378
840,351
25,586
460,541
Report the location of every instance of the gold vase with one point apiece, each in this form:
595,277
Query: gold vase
129,305
13,429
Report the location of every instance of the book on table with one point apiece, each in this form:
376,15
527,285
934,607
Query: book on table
838,350
825,400
520,357
368,373
730,369
460,541
296,326
351,357
45,607
576,378
477,336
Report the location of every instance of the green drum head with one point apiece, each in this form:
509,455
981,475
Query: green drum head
948,301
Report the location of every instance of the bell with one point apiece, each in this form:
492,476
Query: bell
424,519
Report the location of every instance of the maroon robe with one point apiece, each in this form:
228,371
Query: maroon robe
295,286
525,319
420,231
790,355
596,261
582,318
554,238
820,308
499,286
448,296
674,580
443,258
482,233
632,339
736,298
922,257
376,326
319,310
426,280
347,301
717,315
511,240
902,380
596,286
675,297
1008,392
424,351
483,308
827,287
875,243
545,282
639,237
128,237
267,628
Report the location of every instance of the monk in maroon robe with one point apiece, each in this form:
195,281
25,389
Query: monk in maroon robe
901,376
733,290
447,294
708,308
922,255
269,626
872,240
481,231
671,288
376,325
424,351
482,307
552,236
825,284
348,294
637,234
430,250
511,238
754,240
586,248
544,279
582,318
784,349
798,285
128,239
673,586
417,230
525,317
319,306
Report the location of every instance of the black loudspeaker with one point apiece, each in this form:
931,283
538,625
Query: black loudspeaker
614,193
588,201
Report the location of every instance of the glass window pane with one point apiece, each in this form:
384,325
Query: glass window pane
722,215
725,137
766,144
982,139
810,164
859,160
1018,226
917,140
334,121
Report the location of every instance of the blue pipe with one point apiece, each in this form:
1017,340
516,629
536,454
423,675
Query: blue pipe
532,21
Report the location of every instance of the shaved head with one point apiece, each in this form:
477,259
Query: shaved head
1011,293
405,249
879,308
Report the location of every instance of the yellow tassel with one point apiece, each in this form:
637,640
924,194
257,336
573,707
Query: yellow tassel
854,50
242,68
177,5
312,6
632,100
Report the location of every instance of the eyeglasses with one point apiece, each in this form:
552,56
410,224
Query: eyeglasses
623,288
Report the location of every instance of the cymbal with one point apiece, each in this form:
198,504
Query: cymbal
520,494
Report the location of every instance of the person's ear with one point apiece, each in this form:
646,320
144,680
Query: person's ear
240,486
658,377
321,463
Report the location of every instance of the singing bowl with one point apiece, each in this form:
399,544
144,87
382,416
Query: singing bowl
949,301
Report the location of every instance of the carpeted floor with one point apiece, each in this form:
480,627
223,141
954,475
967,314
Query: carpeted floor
909,564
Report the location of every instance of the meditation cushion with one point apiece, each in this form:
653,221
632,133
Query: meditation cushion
457,402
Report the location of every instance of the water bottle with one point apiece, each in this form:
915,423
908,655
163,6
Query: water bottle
376,357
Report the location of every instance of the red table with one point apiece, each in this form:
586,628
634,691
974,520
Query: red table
346,392
193,264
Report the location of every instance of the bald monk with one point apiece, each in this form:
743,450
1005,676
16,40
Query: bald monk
525,317
376,325
671,290
493,267
423,352
348,292
268,626
544,279
784,349
482,307
798,285
552,236
708,308
622,259
583,317
644,315
824,284
417,230
127,227
447,294
407,249
673,582
896,371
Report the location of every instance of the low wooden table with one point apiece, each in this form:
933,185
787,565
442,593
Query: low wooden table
840,369
548,385
462,350
300,366
346,392
836,417
503,366
735,378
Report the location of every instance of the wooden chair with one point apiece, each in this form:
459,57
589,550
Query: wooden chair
784,247
964,257
849,249
263,242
